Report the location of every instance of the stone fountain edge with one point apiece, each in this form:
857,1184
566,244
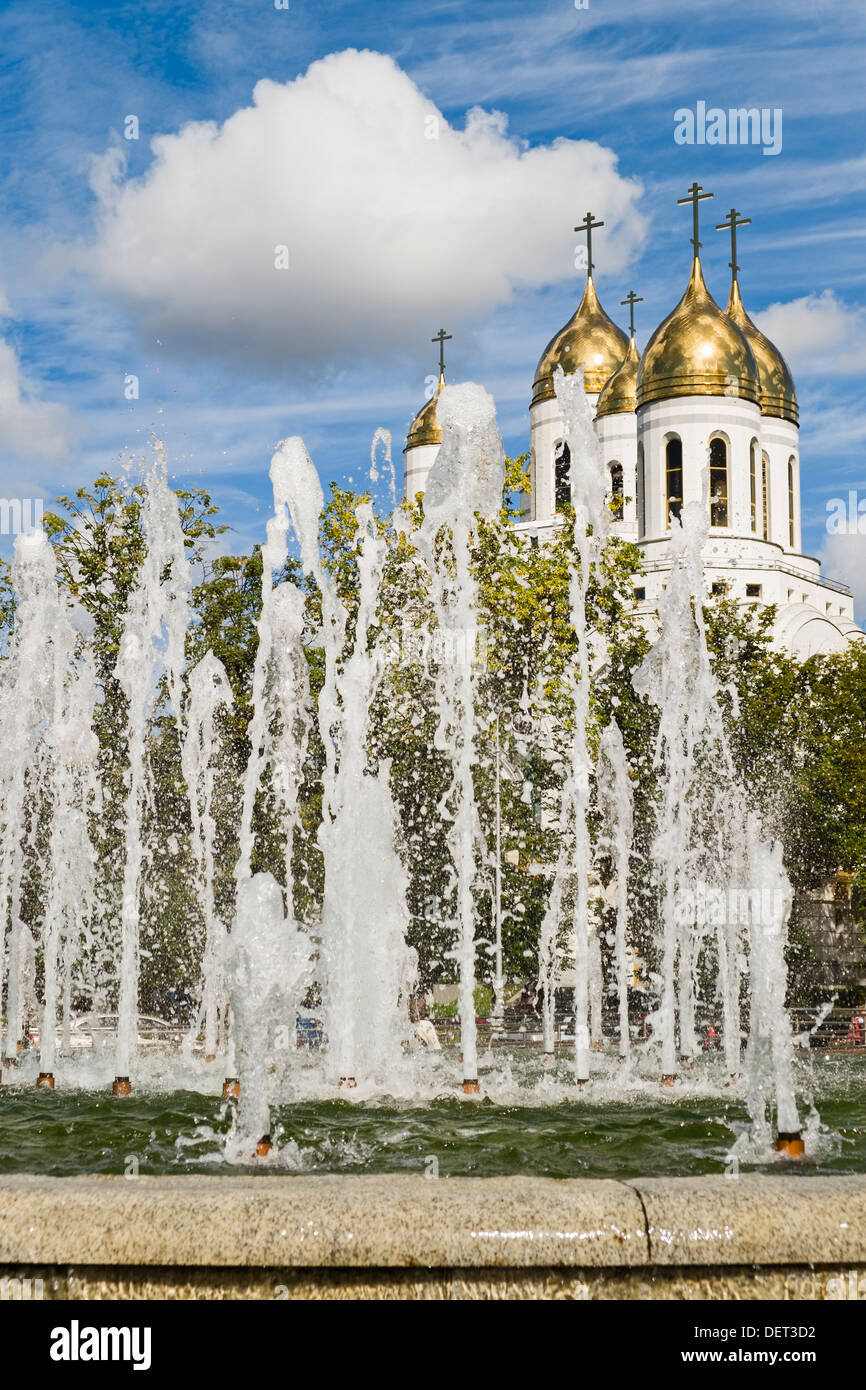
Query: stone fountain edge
408,1236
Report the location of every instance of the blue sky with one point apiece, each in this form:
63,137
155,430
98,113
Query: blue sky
123,257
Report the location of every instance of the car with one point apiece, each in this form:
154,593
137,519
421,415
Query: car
100,1030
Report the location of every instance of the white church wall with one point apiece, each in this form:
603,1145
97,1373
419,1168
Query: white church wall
417,463
546,429
695,420
618,437
780,441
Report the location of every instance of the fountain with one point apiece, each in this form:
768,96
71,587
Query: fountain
348,971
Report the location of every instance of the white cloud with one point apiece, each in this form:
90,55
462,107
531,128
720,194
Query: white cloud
29,427
817,333
843,557
389,232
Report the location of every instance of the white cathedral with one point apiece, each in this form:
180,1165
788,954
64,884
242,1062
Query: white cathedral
709,391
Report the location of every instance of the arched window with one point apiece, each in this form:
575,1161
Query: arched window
753,484
791,523
617,495
674,478
765,493
641,493
718,482
562,480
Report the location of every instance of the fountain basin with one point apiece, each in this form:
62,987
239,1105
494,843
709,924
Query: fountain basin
528,1119
407,1236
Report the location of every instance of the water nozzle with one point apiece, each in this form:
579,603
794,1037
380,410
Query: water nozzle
791,1145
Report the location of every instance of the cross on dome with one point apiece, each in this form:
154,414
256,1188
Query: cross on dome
442,338
733,221
587,226
631,300
696,195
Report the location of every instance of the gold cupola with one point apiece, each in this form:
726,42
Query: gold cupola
697,351
619,393
776,392
425,427
590,340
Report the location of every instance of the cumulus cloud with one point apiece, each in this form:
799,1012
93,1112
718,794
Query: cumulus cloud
817,333
843,557
394,220
29,426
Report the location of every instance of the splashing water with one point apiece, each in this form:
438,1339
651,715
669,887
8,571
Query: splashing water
617,811
150,660
465,483
259,961
591,525
364,961
209,691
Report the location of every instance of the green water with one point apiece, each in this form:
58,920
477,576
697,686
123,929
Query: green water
65,1133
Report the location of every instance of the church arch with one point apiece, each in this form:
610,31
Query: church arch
719,506
673,478
765,492
617,486
753,485
561,475
641,492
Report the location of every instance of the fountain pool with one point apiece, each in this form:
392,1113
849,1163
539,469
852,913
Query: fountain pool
373,1097
535,1127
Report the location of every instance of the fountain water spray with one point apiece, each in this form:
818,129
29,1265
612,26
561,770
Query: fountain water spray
74,751
710,855
617,813
364,961
151,658
209,691
267,962
768,1060
21,991
591,525
46,702
465,484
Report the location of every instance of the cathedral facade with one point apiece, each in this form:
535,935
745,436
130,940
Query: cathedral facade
708,411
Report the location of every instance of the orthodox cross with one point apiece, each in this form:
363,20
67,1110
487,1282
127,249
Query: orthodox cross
587,226
442,338
733,220
631,300
696,195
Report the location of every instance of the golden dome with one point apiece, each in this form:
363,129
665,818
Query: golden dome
589,340
776,392
425,427
697,351
619,393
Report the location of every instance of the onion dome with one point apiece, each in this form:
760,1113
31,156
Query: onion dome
776,392
619,393
590,340
697,351
425,427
